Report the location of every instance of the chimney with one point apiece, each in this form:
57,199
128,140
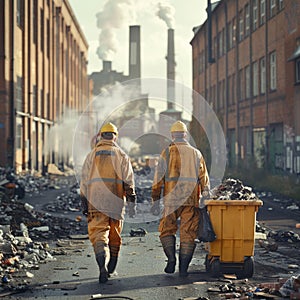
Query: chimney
171,69
134,52
106,66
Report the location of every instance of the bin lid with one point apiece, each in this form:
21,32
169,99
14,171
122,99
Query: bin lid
234,202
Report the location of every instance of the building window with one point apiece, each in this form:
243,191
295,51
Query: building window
230,35
42,30
241,84
255,79
19,136
48,106
255,15
247,20
298,70
201,60
215,48
241,26
19,94
280,4
42,103
34,100
262,11
272,8
224,93
34,21
247,78
273,79
233,89
263,75
224,41
20,13
48,38
220,43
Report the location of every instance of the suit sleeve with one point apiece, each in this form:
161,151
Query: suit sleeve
159,177
203,176
128,180
85,175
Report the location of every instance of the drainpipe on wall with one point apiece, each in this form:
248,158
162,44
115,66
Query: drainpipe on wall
209,34
12,125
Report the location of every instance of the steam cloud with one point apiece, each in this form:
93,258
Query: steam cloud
114,15
166,13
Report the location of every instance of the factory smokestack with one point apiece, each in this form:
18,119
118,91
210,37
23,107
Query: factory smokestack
171,70
134,52
106,66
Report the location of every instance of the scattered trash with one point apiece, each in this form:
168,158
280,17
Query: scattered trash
233,189
290,286
138,232
96,296
269,245
284,236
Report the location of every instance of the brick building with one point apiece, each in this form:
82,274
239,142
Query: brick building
251,78
43,71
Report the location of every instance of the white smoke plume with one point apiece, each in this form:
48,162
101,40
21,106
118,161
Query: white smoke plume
115,14
166,13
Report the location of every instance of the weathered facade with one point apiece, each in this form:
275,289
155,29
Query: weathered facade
43,72
251,78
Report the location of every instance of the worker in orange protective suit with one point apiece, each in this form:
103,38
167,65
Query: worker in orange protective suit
182,173
107,183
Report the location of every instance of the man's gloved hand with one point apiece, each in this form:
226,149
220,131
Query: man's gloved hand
155,209
131,209
205,195
84,205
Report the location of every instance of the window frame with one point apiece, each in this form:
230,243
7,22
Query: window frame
20,14
262,7
280,5
272,8
263,79
273,71
297,70
247,82
247,20
241,26
255,89
255,15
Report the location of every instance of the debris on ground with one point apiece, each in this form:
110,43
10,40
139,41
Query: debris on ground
138,232
269,245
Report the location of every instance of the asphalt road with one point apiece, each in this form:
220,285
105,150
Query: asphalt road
74,275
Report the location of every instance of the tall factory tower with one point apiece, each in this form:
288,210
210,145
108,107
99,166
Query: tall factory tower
170,115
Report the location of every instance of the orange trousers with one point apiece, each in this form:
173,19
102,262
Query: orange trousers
104,233
189,223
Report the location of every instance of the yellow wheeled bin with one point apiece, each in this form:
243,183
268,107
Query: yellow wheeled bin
234,222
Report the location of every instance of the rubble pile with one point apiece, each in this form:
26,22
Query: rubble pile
243,289
233,189
19,255
69,201
17,216
288,236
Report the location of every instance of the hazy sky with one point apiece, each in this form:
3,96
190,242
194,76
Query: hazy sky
116,19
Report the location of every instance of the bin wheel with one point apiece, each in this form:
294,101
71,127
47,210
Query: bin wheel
207,263
248,267
215,267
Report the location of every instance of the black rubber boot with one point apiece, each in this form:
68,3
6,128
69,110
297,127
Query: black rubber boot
184,261
103,277
112,264
169,246
185,256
